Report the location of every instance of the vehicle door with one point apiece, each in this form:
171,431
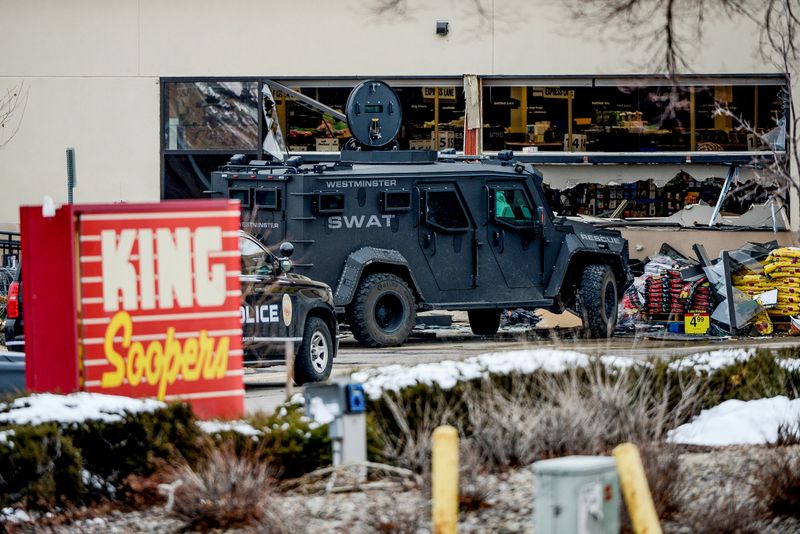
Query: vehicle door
445,231
262,294
512,234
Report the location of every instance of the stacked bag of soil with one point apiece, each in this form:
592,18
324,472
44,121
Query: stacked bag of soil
781,272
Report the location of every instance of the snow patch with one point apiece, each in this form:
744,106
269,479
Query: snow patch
321,412
446,374
97,482
4,435
14,515
792,365
736,422
706,362
73,408
242,427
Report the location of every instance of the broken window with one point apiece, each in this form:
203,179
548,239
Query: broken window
211,115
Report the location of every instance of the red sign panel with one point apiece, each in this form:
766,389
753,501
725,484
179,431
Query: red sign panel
159,306
154,304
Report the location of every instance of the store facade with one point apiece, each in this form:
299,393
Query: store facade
205,121
162,93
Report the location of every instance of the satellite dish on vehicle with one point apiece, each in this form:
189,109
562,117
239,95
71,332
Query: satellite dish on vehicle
374,115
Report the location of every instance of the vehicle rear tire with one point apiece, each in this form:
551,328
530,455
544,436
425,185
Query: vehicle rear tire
484,322
314,359
597,301
383,311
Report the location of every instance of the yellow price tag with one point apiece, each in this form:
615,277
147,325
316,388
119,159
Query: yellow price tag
696,323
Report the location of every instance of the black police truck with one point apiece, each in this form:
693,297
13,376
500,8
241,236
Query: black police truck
277,307
394,231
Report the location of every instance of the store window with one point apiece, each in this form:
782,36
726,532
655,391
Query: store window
433,118
629,119
211,115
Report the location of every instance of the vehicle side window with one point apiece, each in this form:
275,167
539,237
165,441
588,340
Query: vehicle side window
512,208
255,260
443,210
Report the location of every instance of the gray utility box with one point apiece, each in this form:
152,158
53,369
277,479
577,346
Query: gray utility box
341,405
576,494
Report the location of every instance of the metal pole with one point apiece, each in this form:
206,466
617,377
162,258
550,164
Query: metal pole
289,368
70,173
733,171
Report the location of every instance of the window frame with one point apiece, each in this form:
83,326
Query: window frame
268,256
384,204
423,200
327,211
271,207
493,189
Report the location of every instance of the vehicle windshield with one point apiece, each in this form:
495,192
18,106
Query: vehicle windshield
255,259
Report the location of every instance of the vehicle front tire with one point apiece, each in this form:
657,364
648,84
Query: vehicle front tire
383,311
314,359
484,322
597,301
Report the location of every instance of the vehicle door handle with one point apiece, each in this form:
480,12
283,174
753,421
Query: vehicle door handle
430,242
500,240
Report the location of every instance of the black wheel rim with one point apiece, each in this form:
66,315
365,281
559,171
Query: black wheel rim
609,300
389,312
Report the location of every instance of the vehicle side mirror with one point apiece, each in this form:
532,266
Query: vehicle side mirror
538,224
284,264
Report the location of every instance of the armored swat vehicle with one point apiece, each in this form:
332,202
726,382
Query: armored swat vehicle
394,232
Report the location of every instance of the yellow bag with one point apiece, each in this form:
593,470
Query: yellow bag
784,263
786,272
763,324
785,252
750,279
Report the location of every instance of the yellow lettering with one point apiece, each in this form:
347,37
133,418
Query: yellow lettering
135,363
113,379
222,357
160,364
207,351
191,363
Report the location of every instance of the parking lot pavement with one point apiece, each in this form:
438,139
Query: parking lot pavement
266,388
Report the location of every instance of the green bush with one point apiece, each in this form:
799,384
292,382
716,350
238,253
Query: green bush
136,444
290,443
39,467
48,464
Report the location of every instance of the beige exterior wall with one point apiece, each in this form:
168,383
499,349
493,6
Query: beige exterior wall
113,127
92,67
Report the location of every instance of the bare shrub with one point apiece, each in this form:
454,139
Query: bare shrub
730,513
665,478
776,483
398,518
474,487
788,434
405,433
226,491
550,415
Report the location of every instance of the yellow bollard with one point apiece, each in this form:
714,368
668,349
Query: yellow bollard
636,490
444,480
